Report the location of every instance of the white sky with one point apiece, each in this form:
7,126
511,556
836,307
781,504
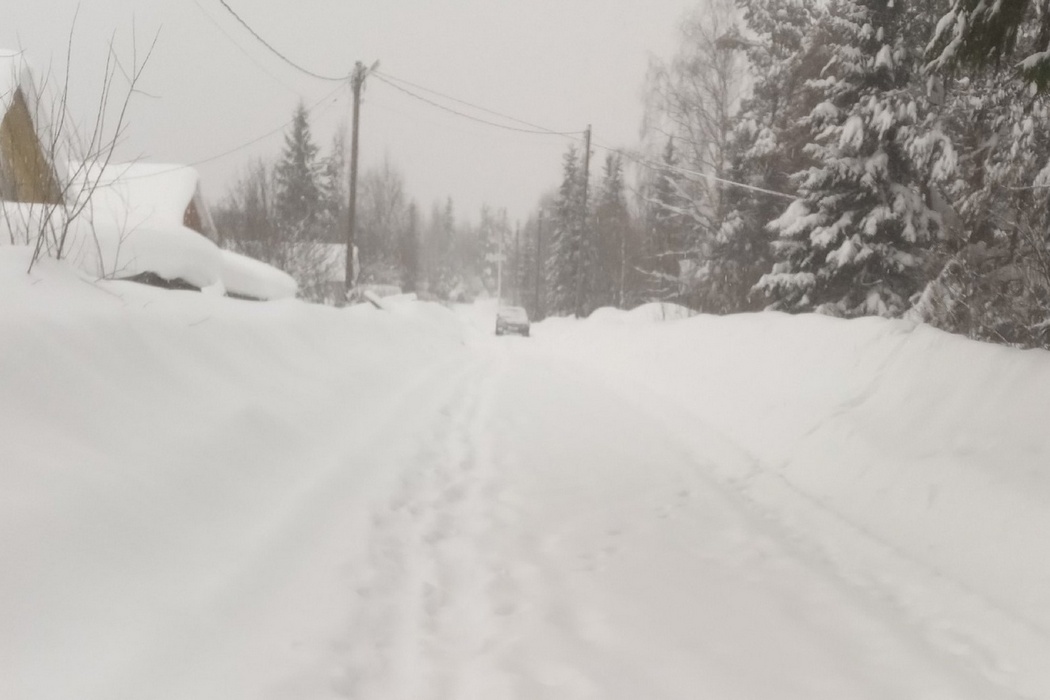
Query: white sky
558,63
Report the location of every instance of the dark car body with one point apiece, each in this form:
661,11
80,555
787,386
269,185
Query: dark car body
512,319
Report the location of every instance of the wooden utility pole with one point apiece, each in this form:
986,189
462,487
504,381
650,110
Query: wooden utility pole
580,272
499,270
518,269
539,264
357,81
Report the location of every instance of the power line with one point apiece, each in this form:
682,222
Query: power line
646,163
241,147
477,107
241,49
277,53
539,130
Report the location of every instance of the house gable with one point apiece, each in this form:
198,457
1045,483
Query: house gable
26,174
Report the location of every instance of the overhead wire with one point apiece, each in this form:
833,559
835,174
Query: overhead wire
237,45
537,127
277,53
217,156
646,163
539,131
575,135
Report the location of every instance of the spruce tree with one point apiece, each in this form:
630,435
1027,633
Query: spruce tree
854,241
565,264
977,34
299,202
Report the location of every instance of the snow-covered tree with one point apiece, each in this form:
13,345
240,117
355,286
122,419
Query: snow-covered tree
766,145
854,242
993,280
669,227
691,103
976,34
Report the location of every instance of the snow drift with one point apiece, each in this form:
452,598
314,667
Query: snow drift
929,444
156,446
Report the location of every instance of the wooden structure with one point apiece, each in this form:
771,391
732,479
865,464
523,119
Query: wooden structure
27,170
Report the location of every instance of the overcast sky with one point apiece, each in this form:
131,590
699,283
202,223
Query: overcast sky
212,87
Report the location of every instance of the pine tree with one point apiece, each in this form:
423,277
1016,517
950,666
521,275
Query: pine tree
299,202
855,239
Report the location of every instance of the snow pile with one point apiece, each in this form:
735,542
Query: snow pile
162,454
653,312
132,223
930,444
248,277
21,222
137,195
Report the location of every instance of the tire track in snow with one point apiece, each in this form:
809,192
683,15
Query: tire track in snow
434,601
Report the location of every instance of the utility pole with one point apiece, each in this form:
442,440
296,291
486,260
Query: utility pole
580,272
518,276
499,271
539,264
357,82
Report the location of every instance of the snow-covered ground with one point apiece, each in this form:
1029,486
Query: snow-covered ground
208,498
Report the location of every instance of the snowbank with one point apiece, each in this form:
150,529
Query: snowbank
159,450
933,445
652,312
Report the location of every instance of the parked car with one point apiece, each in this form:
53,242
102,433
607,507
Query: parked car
512,319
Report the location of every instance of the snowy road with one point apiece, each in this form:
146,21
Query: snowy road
217,501
541,536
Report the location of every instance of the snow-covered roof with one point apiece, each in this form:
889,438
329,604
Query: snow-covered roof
134,195
132,223
248,277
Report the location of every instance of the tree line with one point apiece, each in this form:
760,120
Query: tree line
292,212
848,157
